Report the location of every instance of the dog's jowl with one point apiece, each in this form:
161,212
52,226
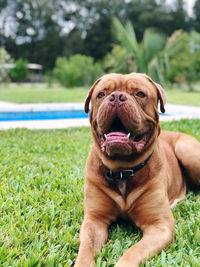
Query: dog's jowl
133,168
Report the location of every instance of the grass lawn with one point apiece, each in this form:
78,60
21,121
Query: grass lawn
183,97
38,93
41,177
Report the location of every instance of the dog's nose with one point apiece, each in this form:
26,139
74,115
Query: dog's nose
117,98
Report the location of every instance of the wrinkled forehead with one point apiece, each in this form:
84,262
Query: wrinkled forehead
126,81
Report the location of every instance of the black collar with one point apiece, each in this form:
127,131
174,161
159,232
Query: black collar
124,174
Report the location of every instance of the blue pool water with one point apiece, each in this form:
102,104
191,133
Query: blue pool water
62,114
42,115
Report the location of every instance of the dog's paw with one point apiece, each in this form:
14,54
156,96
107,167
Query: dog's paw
125,263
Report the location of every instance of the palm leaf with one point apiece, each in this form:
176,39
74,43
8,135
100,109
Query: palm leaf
131,36
153,43
126,36
153,53
175,43
156,70
142,62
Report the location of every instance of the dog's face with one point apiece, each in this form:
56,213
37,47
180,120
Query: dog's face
124,114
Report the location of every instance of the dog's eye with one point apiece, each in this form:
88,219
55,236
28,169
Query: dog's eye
140,94
100,95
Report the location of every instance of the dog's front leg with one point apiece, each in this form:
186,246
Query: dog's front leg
93,235
155,238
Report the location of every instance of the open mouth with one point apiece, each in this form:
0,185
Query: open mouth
119,138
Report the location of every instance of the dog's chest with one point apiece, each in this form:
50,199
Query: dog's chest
121,185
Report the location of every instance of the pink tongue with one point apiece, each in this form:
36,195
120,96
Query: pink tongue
117,137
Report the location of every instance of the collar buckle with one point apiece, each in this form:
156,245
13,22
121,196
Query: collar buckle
125,173
112,176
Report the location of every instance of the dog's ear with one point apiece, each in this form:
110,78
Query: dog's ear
87,100
161,96
161,93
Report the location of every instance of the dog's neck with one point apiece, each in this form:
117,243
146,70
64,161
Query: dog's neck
124,174
122,187
118,164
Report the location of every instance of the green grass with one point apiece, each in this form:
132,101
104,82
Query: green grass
38,93
181,97
41,203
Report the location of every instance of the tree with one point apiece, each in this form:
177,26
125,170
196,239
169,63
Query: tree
98,39
197,15
180,16
73,43
36,33
77,70
94,20
160,16
20,71
152,53
185,65
43,30
5,59
119,61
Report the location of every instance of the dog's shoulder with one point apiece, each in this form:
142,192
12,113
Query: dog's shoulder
169,137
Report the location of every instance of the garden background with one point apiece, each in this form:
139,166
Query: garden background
52,51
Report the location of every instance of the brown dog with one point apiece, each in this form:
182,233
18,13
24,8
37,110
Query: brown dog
133,168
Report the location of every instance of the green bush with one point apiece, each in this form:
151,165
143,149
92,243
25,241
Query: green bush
119,61
20,71
5,58
185,65
77,70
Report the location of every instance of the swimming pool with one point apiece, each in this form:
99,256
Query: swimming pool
42,115
68,114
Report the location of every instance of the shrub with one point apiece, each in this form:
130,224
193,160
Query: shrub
77,70
185,65
5,59
119,61
20,71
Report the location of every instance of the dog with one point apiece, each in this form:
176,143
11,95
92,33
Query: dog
133,169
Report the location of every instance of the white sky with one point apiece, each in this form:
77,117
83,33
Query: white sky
189,5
